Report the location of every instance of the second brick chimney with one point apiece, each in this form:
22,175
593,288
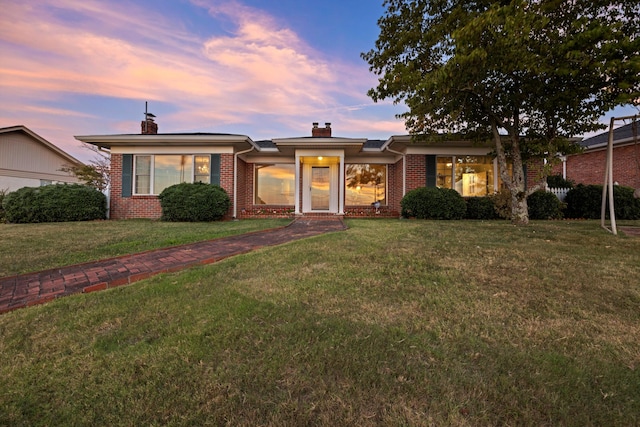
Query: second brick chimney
318,132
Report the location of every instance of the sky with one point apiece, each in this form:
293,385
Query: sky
262,68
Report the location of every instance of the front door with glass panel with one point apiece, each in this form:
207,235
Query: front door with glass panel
320,188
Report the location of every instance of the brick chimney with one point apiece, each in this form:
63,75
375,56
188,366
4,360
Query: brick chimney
318,132
149,127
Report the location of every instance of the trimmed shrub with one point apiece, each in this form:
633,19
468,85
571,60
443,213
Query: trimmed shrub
194,202
502,204
585,201
544,205
433,203
557,181
55,203
3,218
480,208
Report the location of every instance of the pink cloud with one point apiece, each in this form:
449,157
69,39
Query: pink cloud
258,68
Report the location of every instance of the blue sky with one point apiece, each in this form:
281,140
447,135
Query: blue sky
263,68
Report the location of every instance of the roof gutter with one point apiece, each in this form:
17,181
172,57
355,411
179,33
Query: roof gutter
404,168
235,179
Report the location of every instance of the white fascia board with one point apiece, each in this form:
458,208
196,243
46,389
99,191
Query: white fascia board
270,159
110,141
445,150
314,142
379,160
319,152
181,149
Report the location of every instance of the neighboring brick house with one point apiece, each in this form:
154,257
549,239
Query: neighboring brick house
311,175
28,160
589,166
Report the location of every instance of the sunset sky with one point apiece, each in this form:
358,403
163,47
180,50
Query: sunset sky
262,68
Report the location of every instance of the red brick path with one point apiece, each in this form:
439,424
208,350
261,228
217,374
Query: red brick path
36,288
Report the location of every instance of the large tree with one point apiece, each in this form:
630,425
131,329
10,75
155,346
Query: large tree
525,74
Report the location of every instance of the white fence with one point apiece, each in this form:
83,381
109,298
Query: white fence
560,193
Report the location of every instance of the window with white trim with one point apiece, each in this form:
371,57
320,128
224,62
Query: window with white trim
154,173
365,183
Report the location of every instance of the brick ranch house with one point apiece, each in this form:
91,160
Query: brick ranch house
314,175
588,167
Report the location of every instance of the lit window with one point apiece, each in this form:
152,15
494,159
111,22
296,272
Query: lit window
155,173
470,176
275,184
143,175
365,184
202,171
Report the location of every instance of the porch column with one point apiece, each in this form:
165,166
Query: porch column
298,204
341,181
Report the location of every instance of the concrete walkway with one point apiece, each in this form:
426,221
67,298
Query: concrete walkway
39,287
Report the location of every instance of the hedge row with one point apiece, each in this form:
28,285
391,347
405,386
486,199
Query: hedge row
54,203
582,201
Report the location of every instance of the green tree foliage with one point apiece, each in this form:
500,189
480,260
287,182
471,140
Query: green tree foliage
55,203
194,202
540,71
89,175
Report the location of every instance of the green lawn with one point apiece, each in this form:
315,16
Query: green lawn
389,323
34,247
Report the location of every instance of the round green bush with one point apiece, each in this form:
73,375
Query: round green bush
194,202
3,217
433,203
557,181
55,203
480,208
544,205
585,201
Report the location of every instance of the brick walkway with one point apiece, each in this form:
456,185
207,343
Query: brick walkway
39,287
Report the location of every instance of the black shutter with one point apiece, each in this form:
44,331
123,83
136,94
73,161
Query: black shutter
215,169
127,174
431,171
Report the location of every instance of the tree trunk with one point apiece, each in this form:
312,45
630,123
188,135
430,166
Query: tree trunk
519,208
515,182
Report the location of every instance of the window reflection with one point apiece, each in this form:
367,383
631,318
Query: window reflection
470,176
365,184
275,184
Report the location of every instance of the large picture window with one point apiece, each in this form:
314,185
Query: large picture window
155,173
470,176
275,184
365,183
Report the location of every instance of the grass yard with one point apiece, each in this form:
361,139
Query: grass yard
389,323
34,247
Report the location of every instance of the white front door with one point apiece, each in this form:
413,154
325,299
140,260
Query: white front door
320,188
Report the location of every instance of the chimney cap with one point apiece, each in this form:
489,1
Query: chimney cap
327,124
315,124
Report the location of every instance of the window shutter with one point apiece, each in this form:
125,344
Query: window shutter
431,171
215,169
127,174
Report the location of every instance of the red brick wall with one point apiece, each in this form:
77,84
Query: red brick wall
534,172
416,171
394,192
242,186
588,168
149,206
129,207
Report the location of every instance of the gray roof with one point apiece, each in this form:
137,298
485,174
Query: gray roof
622,133
374,143
265,143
